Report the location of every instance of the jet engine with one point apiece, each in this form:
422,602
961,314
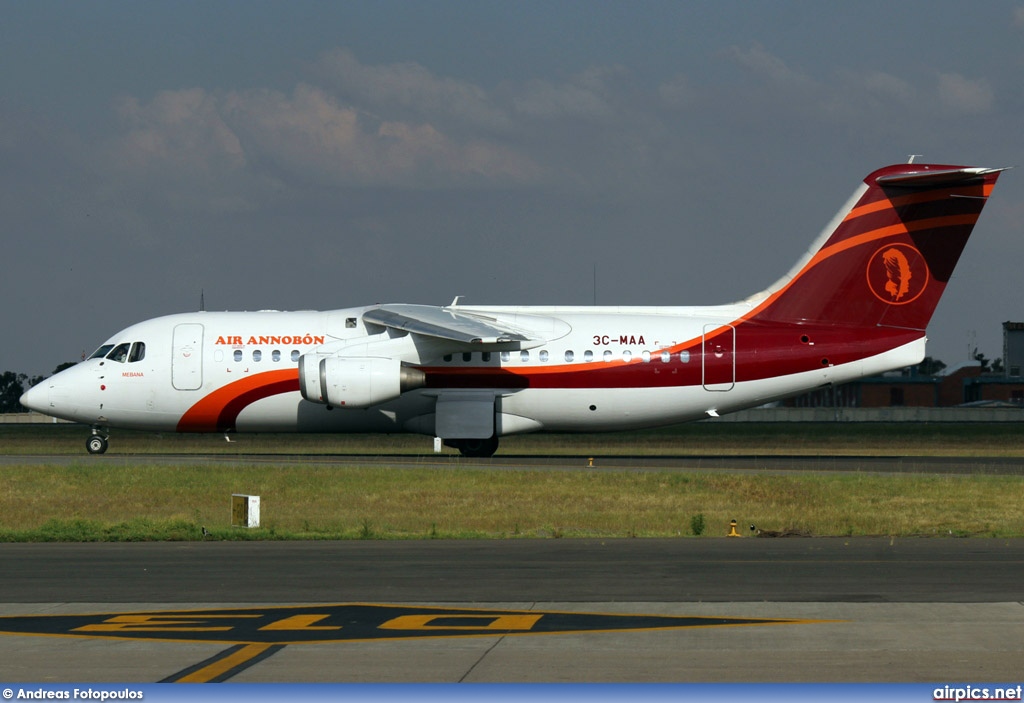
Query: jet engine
355,382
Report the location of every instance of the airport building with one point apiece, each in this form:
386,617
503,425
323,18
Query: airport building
966,384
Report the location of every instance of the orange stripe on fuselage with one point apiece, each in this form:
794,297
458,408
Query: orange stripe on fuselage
208,413
892,230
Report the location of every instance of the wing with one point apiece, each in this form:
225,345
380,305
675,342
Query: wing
452,325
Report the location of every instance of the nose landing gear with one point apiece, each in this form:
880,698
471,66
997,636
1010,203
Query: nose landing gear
97,443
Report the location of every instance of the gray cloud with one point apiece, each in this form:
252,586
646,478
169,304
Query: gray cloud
963,95
233,148
589,96
773,69
408,86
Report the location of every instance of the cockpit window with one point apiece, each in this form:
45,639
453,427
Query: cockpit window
102,351
127,351
120,352
138,352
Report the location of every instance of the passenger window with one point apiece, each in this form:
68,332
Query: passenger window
543,355
627,356
607,354
588,355
684,357
447,357
467,356
120,353
666,357
275,355
506,356
485,356
646,356
569,356
238,355
138,352
257,355
524,355
295,355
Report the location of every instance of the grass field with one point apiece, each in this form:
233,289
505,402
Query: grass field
96,498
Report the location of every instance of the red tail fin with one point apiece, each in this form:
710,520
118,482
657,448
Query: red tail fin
887,260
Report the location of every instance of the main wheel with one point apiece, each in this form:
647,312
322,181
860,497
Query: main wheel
97,444
477,448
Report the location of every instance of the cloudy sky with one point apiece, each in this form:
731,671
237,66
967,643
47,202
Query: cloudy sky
318,155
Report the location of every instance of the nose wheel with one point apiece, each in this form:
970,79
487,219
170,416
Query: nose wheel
97,444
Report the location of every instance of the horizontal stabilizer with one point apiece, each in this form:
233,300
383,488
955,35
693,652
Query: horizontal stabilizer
934,178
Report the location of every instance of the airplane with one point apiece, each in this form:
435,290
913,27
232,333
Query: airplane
856,304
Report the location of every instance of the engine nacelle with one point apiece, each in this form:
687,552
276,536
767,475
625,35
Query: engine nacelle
355,382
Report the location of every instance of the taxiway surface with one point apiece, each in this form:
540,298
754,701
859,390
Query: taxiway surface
839,610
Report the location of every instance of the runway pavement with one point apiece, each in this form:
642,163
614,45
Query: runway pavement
964,465
713,609
938,570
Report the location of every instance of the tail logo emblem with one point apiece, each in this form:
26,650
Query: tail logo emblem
897,274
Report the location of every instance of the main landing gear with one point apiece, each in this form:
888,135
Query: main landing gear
475,448
97,443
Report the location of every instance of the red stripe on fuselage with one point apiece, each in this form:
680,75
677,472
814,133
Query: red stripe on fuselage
761,352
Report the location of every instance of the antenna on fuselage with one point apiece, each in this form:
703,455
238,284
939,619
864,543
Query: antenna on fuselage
202,300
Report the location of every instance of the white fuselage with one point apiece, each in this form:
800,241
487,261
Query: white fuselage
616,368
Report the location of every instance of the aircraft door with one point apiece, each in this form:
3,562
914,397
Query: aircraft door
187,357
718,360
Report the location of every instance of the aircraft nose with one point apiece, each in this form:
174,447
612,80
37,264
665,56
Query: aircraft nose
36,398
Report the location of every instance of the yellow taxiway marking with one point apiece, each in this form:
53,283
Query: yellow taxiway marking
223,667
